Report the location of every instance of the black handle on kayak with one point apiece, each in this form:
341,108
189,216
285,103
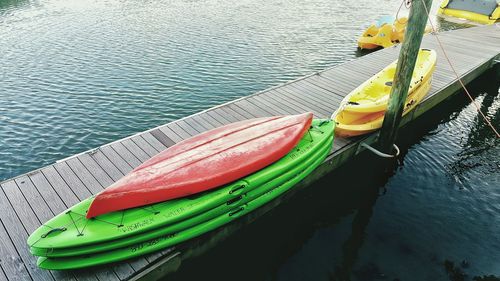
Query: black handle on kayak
234,200
54,230
237,188
232,213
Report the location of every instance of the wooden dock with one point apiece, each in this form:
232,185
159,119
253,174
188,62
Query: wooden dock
29,200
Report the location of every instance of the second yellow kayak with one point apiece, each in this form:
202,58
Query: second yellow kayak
363,109
370,122
373,94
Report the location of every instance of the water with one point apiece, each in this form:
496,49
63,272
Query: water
76,74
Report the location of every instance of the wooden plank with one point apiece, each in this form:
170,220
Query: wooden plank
305,98
28,218
104,163
327,85
284,108
114,158
179,131
139,153
47,192
312,95
72,181
472,38
241,111
286,96
332,87
195,125
238,115
84,175
125,154
275,100
63,191
3,277
215,115
343,78
18,235
252,109
12,264
221,112
150,150
343,85
202,122
478,51
34,198
153,141
219,117
95,169
161,137
258,102
188,127
170,134
326,94
210,119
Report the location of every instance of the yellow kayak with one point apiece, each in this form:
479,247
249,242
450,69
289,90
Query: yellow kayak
373,94
363,109
385,33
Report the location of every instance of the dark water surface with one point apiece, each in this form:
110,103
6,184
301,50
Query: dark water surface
76,74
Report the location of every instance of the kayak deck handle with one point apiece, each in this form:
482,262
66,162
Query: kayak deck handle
232,213
237,188
234,200
54,230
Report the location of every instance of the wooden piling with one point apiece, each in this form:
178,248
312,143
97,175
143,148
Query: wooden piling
404,70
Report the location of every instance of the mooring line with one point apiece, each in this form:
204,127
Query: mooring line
456,73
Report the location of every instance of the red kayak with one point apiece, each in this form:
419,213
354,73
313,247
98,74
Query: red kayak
204,162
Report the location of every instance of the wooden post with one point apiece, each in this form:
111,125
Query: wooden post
404,70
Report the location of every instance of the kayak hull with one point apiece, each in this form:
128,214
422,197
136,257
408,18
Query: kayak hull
203,162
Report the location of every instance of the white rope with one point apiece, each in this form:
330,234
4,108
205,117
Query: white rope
381,154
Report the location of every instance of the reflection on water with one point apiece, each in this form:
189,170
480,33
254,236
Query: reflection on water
422,221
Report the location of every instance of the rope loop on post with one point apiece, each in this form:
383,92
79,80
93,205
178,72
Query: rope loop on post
381,154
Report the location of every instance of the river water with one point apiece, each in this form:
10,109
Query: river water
76,74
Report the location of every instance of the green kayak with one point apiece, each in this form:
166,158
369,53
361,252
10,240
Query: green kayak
70,233
172,238
209,214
